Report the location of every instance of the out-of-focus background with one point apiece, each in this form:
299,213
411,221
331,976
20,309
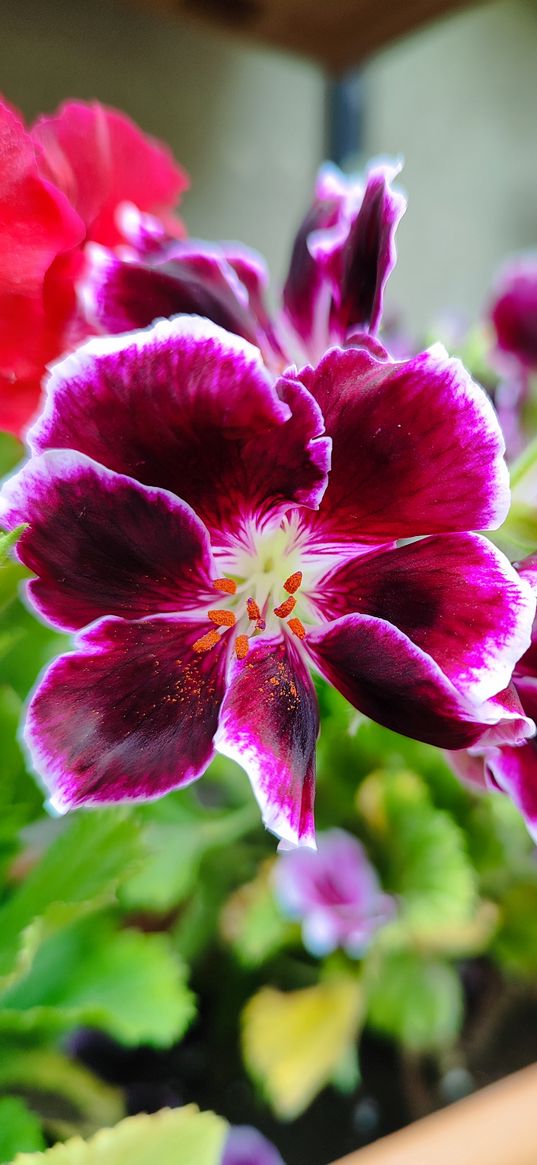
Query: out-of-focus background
457,99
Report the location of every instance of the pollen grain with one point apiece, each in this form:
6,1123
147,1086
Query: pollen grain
293,583
242,646
222,618
206,642
285,608
227,585
297,628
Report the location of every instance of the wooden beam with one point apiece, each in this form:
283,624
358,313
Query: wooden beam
337,33
496,1126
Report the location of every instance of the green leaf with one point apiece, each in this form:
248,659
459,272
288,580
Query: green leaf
20,1130
33,645
424,850
126,982
11,452
415,1001
251,922
81,869
65,1096
181,1136
179,834
515,945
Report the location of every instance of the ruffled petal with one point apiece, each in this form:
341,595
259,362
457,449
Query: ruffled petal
417,448
387,677
121,296
191,408
101,544
100,159
454,595
360,263
36,225
269,724
128,716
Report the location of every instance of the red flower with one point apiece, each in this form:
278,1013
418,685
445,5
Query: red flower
62,184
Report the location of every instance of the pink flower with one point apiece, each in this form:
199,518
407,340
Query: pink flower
212,533
511,768
335,893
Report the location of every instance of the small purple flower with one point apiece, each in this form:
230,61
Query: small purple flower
342,257
245,1146
335,893
514,311
212,533
511,768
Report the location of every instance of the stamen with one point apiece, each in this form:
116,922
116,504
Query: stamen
297,628
292,583
206,642
222,618
261,625
225,584
253,610
285,608
242,646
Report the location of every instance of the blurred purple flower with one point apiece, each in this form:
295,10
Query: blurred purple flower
335,892
514,310
245,1146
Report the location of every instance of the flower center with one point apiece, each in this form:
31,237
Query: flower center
262,586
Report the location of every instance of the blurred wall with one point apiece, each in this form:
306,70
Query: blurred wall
459,101
247,124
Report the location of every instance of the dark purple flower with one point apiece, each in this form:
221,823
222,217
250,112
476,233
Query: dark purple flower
511,768
514,311
335,893
342,256
211,533
245,1146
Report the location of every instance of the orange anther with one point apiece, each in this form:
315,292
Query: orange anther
225,584
222,618
285,608
242,645
297,628
253,610
292,583
207,641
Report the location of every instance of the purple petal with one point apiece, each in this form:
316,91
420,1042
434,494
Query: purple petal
335,892
245,1146
120,296
387,677
191,408
454,595
417,448
514,311
307,293
363,261
129,715
269,724
101,544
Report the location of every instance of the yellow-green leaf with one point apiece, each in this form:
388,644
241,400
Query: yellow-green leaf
294,1043
181,1136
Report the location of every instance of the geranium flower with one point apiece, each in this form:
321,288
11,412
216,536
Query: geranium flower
342,256
246,1146
63,182
183,513
37,224
512,769
514,311
335,893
